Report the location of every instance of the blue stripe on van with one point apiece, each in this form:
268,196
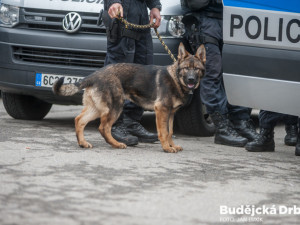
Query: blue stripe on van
275,5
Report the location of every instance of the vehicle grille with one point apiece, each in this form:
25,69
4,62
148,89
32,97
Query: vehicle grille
59,57
44,19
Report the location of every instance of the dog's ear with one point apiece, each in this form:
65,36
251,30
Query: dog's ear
182,53
201,54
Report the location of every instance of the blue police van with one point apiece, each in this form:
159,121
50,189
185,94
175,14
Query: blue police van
261,54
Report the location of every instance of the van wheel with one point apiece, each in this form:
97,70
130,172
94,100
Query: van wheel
25,107
193,119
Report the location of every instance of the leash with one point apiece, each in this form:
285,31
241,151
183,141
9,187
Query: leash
128,25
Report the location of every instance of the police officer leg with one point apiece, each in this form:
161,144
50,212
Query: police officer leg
132,113
115,54
291,128
242,123
213,96
265,140
297,150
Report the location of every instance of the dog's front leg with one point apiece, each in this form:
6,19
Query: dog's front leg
170,139
162,120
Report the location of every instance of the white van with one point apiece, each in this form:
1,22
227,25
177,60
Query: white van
36,49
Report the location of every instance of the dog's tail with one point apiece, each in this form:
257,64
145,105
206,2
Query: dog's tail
59,88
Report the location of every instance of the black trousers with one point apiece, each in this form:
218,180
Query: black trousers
269,119
212,89
129,50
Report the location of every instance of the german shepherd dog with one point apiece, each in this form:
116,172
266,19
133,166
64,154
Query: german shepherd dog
162,89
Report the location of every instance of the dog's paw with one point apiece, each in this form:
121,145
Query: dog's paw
170,150
122,146
177,147
85,145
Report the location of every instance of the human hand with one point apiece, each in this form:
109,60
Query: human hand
155,14
115,9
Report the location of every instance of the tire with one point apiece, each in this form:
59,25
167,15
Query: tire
25,107
193,119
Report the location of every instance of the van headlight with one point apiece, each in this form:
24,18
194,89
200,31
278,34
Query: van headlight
9,15
170,27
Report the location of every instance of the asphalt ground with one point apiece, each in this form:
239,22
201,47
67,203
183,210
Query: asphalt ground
45,178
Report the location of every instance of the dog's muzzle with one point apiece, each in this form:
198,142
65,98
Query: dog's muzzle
191,83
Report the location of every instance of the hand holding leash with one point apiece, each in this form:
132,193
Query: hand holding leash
115,10
155,14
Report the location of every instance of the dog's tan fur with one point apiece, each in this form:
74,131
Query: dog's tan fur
163,89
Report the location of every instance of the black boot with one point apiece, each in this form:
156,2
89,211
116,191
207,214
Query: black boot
119,132
225,134
297,151
291,136
136,129
263,143
245,128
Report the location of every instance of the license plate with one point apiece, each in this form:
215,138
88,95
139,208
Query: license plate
47,80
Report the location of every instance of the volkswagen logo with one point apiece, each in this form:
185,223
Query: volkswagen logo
72,22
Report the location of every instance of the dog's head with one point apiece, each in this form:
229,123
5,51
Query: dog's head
191,68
